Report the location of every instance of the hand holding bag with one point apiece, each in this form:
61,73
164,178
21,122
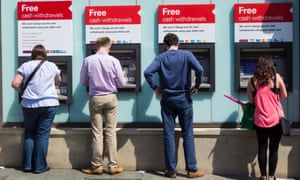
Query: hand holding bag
248,116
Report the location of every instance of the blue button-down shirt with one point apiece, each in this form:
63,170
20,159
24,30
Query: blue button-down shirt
102,73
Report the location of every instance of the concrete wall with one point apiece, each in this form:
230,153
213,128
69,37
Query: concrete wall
219,151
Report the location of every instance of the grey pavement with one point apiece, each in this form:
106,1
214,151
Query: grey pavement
74,174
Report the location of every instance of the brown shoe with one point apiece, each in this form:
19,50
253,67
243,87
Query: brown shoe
115,169
98,170
193,174
170,174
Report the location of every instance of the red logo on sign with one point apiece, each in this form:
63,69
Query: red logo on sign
263,12
44,10
112,15
186,14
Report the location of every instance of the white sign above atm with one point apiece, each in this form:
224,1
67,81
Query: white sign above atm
121,23
48,23
193,23
263,22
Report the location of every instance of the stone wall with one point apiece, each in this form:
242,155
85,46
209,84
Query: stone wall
219,151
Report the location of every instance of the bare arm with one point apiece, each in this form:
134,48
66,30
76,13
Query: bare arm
282,89
57,80
17,82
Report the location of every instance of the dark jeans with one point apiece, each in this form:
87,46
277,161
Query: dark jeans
37,124
172,106
272,134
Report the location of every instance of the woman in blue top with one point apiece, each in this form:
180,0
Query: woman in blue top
39,102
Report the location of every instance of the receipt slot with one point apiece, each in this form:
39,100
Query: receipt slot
205,54
246,57
129,57
64,90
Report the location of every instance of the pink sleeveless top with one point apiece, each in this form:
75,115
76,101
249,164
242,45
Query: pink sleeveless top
268,108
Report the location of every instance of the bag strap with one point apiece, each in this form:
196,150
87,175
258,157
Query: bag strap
275,89
32,74
253,86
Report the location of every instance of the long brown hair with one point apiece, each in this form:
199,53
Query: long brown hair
265,70
39,52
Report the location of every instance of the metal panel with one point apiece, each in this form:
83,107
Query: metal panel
1,102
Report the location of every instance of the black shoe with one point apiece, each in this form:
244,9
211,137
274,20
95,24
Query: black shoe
39,172
27,170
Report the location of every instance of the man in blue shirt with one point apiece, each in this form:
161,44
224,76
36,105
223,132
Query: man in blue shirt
174,68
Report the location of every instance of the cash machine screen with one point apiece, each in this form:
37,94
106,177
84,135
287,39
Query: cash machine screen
64,64
249,58
129,57
62,89
128,63
202,55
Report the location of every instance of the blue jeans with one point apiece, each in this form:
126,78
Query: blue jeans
37,127
180,105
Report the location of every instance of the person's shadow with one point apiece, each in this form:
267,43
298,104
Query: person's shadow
233,154
150,147
77,138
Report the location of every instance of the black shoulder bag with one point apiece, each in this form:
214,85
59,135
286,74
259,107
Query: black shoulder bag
29,79
284,122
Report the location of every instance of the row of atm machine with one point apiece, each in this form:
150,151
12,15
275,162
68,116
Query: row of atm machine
246,56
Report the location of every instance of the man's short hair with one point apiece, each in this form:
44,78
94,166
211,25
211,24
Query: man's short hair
171,39
102,41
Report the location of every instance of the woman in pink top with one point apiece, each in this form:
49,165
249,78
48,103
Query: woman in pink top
265,94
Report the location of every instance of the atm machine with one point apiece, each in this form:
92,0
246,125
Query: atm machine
263,29
205,54
246,57
129,57
64,90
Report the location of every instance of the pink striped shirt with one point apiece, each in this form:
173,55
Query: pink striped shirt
268,107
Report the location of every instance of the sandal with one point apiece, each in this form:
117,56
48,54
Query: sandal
272,178
263,178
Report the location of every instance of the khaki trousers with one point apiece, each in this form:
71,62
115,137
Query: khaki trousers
104,106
